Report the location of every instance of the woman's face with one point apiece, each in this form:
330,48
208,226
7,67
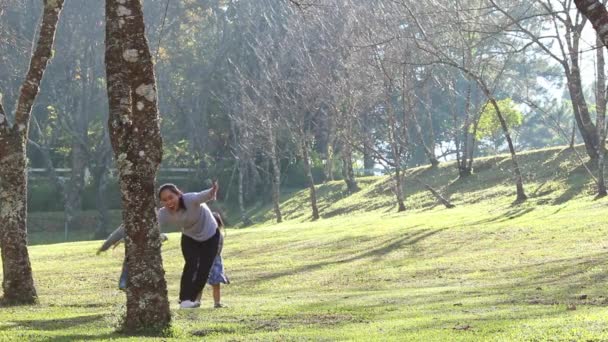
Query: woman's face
169,200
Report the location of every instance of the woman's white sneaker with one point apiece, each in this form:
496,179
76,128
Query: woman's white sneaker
188,304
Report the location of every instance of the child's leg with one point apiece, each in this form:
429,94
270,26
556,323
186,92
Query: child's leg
216,293
198,297
122,282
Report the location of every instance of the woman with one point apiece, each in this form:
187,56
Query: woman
200,236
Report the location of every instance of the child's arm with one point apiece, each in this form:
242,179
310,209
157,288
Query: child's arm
113,239
117,236
220,245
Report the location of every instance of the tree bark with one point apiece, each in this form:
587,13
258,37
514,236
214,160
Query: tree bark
100,181
311,181
464,153
519,183
18,283
241,197
276,181
429,150
436,194
596,12
275,177
600,99
329,161
399,190
347,169
368,154
395,149
137,144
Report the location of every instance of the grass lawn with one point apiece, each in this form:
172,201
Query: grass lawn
486,270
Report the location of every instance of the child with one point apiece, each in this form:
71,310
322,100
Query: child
217,275
113,240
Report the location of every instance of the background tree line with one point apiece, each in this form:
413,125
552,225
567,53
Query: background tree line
268,96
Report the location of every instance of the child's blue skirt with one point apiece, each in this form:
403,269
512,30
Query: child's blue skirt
217,275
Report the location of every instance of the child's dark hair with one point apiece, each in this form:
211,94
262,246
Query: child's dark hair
174,189
218,219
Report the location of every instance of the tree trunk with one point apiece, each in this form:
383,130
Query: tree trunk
464,169
429,150
586,128
399,190
519,183
276,170
596,12
240,147
368,154
103,217
395,150
18,283
100,181
329,162
600,99
368,162
311,181
276,183
347,169
436,194
137,144
575,88
242,169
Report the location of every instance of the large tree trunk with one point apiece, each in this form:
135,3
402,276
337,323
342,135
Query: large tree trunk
18,283
137,144
311,181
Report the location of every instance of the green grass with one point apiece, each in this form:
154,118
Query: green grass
486,270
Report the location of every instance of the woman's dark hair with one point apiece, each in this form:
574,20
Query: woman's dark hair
174,189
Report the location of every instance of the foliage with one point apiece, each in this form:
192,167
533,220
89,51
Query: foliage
489,125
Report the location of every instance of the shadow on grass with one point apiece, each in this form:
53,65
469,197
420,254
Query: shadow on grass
52,324
502,217
576,181
386,248
81,337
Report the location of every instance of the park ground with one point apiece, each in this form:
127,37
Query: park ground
487,270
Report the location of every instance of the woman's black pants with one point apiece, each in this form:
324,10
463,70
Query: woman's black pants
199,256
